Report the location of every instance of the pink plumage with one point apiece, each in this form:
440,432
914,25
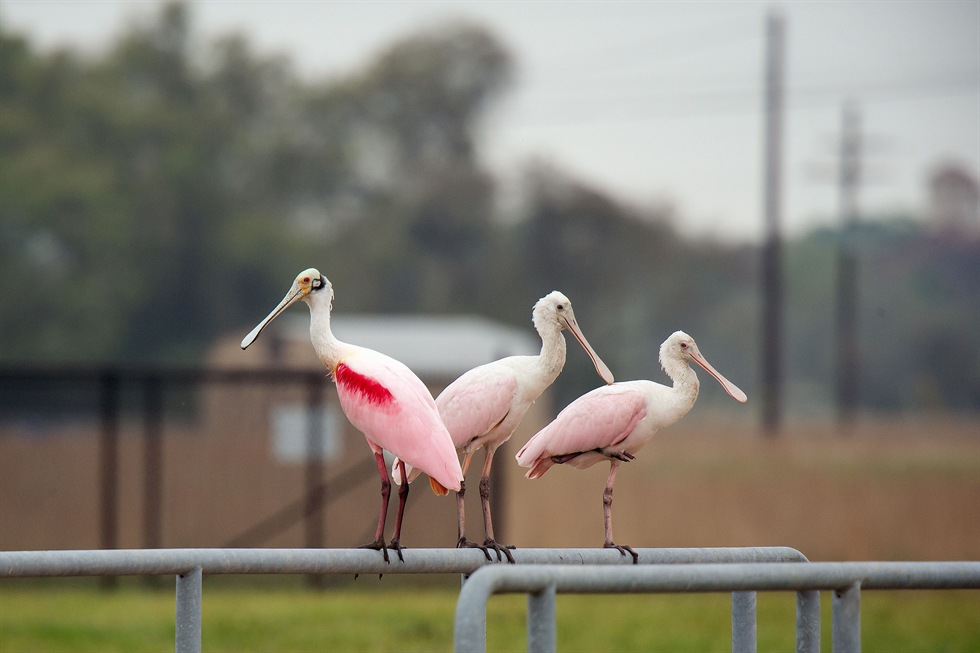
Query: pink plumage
602,418
394,410
612,423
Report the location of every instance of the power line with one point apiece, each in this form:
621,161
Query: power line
708,102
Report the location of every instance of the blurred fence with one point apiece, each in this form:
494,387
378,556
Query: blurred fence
103,457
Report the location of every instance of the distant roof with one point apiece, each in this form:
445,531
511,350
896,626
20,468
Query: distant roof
429,345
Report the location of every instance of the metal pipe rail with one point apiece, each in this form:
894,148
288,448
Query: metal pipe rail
140,562
189,566
845,579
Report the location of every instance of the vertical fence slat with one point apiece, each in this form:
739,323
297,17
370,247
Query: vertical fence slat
743,622
542,627
109,465
315,487
808,621
152,460
846,619
187,631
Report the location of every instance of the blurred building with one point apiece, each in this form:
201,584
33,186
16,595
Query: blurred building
954,201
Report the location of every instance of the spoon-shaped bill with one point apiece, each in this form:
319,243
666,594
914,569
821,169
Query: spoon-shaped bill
294,293
729,387
572,325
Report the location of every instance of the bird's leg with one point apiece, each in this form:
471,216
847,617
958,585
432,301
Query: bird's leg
490,542
462,542
379,539
402,496
607,496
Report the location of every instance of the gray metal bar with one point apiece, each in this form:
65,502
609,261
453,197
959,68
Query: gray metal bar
315,487
542,627
470,625
808,621
125,562
109,466
743,622
846,619
187,638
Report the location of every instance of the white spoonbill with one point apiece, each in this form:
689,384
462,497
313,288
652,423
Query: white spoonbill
382,398
484,406
612,422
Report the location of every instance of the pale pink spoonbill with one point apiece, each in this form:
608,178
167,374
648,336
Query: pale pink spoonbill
613,422
484,406
382,398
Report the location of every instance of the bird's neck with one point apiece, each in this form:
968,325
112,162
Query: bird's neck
686,384
328,348
552,357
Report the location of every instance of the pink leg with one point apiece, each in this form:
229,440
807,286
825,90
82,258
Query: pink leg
379,540
607,495
402,496
490,542
462,542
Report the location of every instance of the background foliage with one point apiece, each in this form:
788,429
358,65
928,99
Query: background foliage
161,194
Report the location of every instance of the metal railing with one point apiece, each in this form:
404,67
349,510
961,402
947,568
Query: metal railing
844,579
189,566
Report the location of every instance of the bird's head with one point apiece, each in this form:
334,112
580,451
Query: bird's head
680,347
555,308
308,284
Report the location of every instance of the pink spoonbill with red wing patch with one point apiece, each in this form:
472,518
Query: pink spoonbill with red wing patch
384,399
613,422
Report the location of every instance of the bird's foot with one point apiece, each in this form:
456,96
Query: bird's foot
623,456
394,544
378,545
464,543
623,549
499,548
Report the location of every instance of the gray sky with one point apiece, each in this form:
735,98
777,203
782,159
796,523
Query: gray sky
653,101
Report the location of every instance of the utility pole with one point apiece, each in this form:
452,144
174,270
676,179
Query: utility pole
772,282
847,268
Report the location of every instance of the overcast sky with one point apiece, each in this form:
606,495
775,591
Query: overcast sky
652,101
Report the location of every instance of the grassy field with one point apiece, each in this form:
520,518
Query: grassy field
242,617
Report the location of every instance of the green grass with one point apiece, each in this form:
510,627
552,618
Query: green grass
244,617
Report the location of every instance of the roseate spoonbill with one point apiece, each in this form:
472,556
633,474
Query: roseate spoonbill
612,422
382,398
484,406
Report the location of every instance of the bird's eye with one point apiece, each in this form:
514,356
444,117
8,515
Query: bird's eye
683,345
306,279
561,307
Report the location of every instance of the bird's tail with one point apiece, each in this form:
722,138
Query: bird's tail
540,466
438,487
412,472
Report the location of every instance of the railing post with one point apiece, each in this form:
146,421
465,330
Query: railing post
743,622
109,467
187,637
315,487
808,621
152,464
542,628
846,619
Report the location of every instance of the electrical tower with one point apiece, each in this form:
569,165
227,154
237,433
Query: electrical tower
847,268
771,346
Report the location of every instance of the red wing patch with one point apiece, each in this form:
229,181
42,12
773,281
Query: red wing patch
371,390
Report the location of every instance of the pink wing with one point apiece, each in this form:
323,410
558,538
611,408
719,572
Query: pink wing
477,401
598,419
395,411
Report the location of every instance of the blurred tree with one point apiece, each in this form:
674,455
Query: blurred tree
160,195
